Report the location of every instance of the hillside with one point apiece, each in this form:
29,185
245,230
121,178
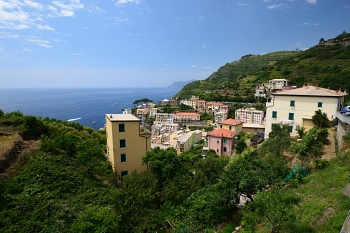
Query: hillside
326,64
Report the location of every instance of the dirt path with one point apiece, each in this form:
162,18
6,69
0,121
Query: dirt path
329,150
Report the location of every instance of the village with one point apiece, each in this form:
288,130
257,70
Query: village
182,130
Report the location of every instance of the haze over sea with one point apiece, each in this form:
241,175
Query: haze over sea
89,104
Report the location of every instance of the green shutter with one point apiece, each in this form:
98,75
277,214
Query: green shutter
274,114
121,127
123,158
122,143
319,104
290,129
291,116
292,103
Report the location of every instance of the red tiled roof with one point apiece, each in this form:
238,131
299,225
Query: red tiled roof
187,114
225,133
231,122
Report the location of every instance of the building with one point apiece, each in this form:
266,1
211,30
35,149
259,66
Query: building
164,118
127,143
249,115
231,124
201,106
220,116
184,141
193,102
277,84
221,141
186,117
297,106
153,112
127,111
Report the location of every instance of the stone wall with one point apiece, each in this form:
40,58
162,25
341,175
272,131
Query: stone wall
342,130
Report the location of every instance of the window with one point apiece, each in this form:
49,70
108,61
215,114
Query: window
224,149
230,127
122,143
225,140
121,127
319,104
217,142
292,103
290,129
220,126
274,114
291,116
124,173
123,158
273,125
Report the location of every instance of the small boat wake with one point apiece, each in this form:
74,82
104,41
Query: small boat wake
74,119
114,104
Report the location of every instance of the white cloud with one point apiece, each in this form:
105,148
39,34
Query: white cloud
45,27
309,24
243,4
194,66
26,50
34,5
311,1
66,9
119,20
120,2
77,54
8,35
274,6
203,46
39,42
93,9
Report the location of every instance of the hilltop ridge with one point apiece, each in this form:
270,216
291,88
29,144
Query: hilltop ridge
325,64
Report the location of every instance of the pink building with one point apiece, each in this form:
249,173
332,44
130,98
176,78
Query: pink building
201,106
221,141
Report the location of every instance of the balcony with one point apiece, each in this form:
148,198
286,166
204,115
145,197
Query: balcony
343,118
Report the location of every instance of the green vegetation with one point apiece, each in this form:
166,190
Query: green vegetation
325,64
142,101
67,184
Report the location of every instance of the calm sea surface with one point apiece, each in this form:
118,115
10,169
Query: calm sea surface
90,105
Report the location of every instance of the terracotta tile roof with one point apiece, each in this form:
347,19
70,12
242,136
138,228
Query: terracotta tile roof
225,133
309,90
187,114
231,122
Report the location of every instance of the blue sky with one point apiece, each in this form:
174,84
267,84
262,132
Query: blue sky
151,43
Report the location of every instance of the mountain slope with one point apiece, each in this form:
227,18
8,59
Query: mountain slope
326,64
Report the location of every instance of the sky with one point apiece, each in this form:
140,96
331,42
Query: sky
151,43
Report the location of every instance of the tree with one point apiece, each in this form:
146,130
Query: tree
138,203
241,146
321,41
277,142
273,205
320,119
165,164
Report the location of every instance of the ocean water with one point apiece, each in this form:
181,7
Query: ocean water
90,105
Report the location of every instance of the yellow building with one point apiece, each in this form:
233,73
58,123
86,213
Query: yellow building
127,143
231,124
297,106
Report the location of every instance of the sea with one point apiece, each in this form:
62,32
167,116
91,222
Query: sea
87,106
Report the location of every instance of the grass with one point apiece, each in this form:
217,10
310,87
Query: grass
323,206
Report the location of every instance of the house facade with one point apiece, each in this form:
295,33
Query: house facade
231,124
249,115
297,106
186,117
221,141
164,118
127,143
